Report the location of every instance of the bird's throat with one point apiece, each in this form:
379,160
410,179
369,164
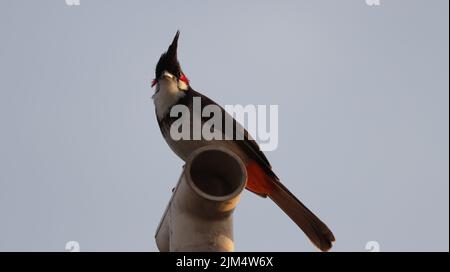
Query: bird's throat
167,94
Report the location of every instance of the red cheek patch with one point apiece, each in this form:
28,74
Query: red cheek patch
154,81
184,79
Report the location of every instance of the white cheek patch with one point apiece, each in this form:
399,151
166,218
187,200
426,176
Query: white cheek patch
182,85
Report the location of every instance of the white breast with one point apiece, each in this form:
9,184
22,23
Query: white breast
167,94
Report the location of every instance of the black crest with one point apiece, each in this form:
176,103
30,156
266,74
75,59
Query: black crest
169,61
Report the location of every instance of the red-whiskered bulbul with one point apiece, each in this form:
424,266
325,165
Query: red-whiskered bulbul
173,88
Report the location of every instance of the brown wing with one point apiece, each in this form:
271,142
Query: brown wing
248,144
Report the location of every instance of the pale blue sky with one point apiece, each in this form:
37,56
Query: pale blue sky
363,106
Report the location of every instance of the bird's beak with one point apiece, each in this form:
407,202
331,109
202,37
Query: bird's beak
167,75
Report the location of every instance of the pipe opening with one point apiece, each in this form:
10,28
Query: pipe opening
217,173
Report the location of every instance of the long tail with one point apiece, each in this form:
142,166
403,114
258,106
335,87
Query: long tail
319,234
263,184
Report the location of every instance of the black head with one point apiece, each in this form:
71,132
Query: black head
168,60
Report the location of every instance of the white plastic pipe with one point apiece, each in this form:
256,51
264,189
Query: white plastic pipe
199,214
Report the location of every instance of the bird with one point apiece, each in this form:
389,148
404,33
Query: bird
172,87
